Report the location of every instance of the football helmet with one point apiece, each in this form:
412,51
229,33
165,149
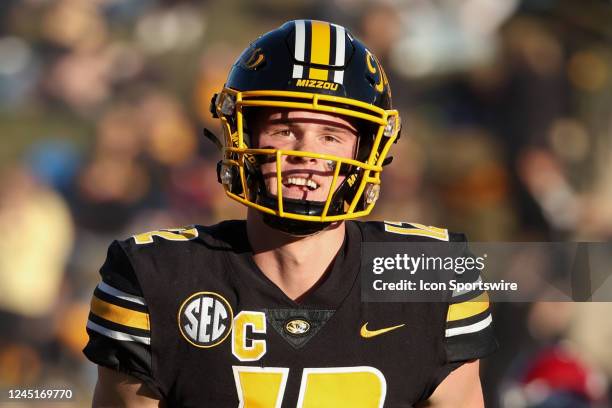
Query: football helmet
314,66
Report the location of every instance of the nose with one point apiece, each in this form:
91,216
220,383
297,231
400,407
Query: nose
305,143
301,159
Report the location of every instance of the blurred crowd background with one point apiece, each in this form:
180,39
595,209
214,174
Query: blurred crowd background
507,112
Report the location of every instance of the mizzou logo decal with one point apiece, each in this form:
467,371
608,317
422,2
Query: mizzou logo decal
315,83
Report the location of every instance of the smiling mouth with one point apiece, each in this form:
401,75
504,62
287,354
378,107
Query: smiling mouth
306,184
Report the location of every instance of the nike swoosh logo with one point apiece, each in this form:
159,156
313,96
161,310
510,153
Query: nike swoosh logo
366,334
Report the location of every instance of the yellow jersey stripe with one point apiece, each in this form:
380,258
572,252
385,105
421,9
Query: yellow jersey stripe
469,308
319,49
118,314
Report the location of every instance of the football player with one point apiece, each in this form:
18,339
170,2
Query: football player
267,312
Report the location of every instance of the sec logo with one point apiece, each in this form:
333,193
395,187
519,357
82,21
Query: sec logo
205,319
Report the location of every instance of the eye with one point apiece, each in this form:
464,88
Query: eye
282,132
331,139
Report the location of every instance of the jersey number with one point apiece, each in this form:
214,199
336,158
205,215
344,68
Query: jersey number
171,234
404,228
329,387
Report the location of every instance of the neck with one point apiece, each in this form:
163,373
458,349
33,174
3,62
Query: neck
295,264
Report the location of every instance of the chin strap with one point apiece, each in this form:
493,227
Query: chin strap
294,227
303,207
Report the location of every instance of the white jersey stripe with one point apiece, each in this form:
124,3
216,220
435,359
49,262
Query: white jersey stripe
300,47
116,334
340,50
464,291
472,328
120,294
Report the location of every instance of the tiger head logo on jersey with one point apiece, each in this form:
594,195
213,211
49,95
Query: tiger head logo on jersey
312,66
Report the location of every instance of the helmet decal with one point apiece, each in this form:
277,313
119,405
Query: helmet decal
327,56
253,59
300,48
375,68
340,53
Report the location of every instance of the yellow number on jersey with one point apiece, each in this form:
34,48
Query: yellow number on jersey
260,387
329,387
171,234
404,228
339,387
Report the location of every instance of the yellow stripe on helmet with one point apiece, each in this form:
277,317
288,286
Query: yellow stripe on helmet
319,49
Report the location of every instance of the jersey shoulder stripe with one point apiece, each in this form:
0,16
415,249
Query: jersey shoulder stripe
111,291
119,301
470,328
121,335
469,333
119,314
468,308
118,308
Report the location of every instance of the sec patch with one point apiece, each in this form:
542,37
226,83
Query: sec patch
205,319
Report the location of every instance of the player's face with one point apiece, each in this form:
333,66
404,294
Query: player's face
304,178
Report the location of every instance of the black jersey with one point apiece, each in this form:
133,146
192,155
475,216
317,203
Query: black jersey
189,313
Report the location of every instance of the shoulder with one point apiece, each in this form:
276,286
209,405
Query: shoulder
165,251
167,241
403,231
